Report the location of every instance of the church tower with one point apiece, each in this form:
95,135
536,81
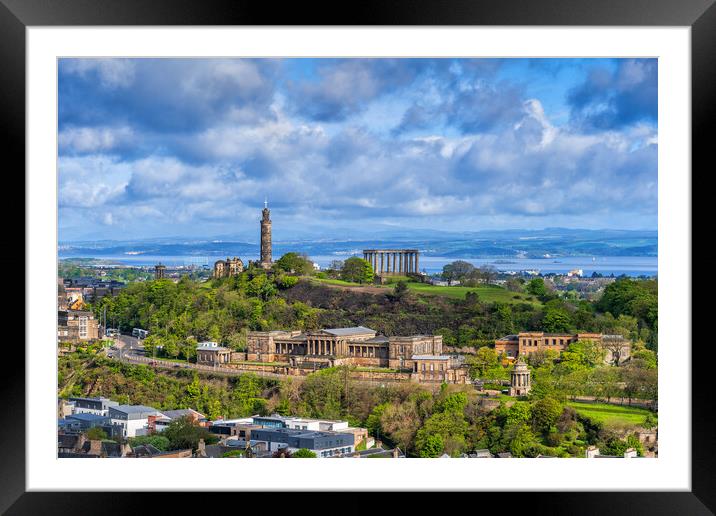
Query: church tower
265,261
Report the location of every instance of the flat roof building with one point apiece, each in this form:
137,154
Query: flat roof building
323,444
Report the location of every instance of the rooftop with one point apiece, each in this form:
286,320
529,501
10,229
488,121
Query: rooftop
76,398
430,357
210,346
299,433
135,409
356,330
86,417
174,414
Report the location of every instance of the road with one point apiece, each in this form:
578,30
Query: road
130,349
126,347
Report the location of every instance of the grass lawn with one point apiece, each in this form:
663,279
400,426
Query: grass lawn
377,369
167,359
486,293
341,282
612,415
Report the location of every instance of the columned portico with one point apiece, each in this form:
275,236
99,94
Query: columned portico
393,262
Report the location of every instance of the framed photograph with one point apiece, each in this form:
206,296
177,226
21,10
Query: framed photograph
433,233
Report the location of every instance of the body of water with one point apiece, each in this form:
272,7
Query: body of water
606,265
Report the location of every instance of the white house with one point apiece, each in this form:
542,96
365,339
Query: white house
97,406
134,419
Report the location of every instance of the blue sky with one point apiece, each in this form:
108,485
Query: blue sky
191,147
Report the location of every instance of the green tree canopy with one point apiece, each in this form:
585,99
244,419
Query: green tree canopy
457,270
96,433
536,287
357,270
183,433
295,263
304,453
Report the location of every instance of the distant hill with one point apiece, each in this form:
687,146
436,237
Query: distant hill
554,242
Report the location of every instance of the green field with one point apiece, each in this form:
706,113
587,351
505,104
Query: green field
340,282
486,293
376,370
612,415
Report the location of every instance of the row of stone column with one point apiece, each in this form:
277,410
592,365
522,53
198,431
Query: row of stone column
321,347
520,380
393,262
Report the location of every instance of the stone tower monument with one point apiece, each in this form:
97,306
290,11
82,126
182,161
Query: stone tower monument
265,260
520,383
159,271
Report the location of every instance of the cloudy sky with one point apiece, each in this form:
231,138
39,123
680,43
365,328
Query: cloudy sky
191,147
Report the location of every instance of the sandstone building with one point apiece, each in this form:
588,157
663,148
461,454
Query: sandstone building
420,355
233,266
228,267
77,326
525,343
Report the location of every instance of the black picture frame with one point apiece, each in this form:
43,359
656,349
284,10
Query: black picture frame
700,15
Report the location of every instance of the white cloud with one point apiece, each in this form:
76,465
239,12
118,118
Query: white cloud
113,73
93,139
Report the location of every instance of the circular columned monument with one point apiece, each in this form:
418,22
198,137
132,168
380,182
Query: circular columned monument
520,383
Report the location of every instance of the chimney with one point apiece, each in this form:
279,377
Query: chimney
630,453
592,451
201,449
95,447
395,452
80,442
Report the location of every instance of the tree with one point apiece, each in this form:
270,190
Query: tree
556,321
523,442
400,291
545,413
485,359
160,442
433,446
536,287
295,263
457,270
335,265
650,421
304,453
184,433
96,433
644,358
583,354
357,270
514,284
639,382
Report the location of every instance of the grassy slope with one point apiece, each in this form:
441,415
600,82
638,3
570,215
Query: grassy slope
612,415
487,293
